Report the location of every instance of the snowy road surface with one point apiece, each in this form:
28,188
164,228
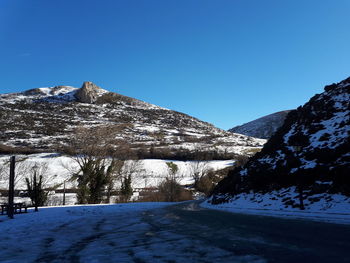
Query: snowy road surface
157,232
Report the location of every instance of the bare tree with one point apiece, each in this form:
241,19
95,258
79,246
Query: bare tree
131,167
170,189
198,170
130,170
99,156
2,171
22,169
173,171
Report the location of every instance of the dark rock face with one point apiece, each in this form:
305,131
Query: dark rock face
263,127
88,93
311,148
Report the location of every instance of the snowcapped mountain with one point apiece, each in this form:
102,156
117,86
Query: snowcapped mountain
310,153
263,127
44,119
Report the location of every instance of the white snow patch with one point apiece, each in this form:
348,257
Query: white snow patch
333,208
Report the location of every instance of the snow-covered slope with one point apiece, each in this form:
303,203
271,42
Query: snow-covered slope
311,151
263,127
45,119
59,168
325,207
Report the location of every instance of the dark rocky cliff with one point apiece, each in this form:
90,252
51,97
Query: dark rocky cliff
311,150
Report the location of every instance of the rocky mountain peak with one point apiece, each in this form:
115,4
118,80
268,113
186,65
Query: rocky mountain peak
32,92
89,92
340,85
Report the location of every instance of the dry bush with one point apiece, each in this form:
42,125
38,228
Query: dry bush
205,185
241,160
151,196
208,182
199,169
168,191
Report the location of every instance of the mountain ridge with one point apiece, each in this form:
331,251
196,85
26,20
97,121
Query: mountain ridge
45,119
263,127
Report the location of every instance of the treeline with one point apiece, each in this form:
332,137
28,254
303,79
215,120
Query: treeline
6,149
182,154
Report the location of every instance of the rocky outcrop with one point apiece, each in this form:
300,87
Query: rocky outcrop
59,90
88,93
311,150
263,127
37,91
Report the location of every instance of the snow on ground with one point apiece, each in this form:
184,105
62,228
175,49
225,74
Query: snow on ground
323,207
53,234
145,173
106,233
153,171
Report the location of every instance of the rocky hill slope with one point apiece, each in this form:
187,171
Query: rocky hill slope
309,154
46,119
263,127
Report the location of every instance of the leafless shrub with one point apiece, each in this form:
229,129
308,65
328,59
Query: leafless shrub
198,169
170,190
167,191
207,183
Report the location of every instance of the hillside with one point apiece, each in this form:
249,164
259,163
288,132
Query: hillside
263,127
46,119
305,162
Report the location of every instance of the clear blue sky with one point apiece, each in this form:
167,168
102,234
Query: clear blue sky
225,62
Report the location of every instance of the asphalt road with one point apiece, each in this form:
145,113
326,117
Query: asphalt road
182,233
267,238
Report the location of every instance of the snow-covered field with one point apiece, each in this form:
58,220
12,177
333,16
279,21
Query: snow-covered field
145,173
324,207
58,169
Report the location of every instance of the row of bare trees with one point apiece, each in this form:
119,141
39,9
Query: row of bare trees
34,174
